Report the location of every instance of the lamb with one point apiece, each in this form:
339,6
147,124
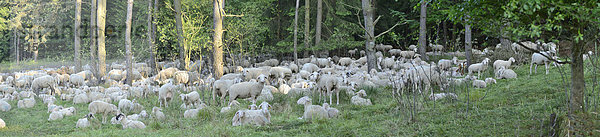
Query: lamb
4,106
479,84
220,88
538,58
312,111
76,80
84,122
157,113
490,81
190,99
126,123
359,100
505,74
52,108
331,112
232,104
45,82
101,107
502,63
247,89
478,67
26,103
165,93
293,67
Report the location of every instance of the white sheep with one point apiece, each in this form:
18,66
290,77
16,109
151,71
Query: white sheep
125,105
538,59
181,77
45,82
56,115
478,67
502,63
243,117
312,111
165,94
84,122
81,99
479,84
444,64
266,93
164,75
2,123
101,107
310,67
359,100
157,113
4,106
127,123
232,104
220,87
247,89
331,112
284,89
490,81
328,84
77,80
438,96
505,74
190,99
26,103
52,108
345,61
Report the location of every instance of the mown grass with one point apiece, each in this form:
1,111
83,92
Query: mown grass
517,107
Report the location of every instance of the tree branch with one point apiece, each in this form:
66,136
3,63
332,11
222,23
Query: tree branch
539,52
376,20
381,34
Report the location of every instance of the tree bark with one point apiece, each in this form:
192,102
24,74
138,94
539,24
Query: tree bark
128,55
217,38
369,33
423,30
154,36
577,78
16,44
306,27
77,40
445,34
151,38
296,32
504,41
101,38
318,24
468,42
93,37
180,39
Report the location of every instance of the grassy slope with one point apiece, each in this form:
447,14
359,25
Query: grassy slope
511,107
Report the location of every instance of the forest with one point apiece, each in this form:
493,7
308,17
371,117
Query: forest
302,67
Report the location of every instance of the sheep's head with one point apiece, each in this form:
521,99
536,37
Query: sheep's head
265,105
511,59
237,118
252,107
326,106
261,78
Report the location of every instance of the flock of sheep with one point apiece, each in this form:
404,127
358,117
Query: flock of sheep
252,81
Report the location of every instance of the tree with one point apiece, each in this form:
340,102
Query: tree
296,32
151,37
318,24
369,27
93,46
468,43
77,29
423,30
306,26
218,6
180,40
128,55
101,38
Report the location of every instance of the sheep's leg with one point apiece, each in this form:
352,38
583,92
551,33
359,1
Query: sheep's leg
546,65
536,68
330,97
338,97
530,66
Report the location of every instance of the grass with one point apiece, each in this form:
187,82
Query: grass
517,107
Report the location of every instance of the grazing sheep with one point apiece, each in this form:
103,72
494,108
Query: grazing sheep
26,103
502,63
76,80
331,112
247,89
220,88
81,99
444,64
505,74
312,111
479,84
280,72
164,75
125,105
252,73
4,106
157,113
101,107
359,100
165,94
190,99
127,123
52,108
293,67
45,82
328,84
232,104
191,113
181,77
438,96
478,67
435,47
407,54
84,122
539,59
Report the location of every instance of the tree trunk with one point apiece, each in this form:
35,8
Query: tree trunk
423,30
16,44
369,34
180,40
77,40
217,38
35,52
93,37
306,26
468,42
577,78
101,38
128,55
296,32
154,36
504,41
445,34
151,38
318,24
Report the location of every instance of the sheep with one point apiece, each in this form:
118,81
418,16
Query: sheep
328,84
243,117
4,106
101,107
191,113
45,82
247,89
266,93
294,67
359,100
345,61
438,96
56,115
538,58
52,108
181,77
478,67
444,64
84,122
265,106
501,63
312,111
352,52
382,47
284,89
86,74
407,54
5,89
2,124
251,73
80,99
165,93
395,52
127,123
437,48
280,72
310,67
26,103
76,80
505,74
190,99
479,84
157,113
331,112
220,88
125,105
233,103
490,81
164,75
